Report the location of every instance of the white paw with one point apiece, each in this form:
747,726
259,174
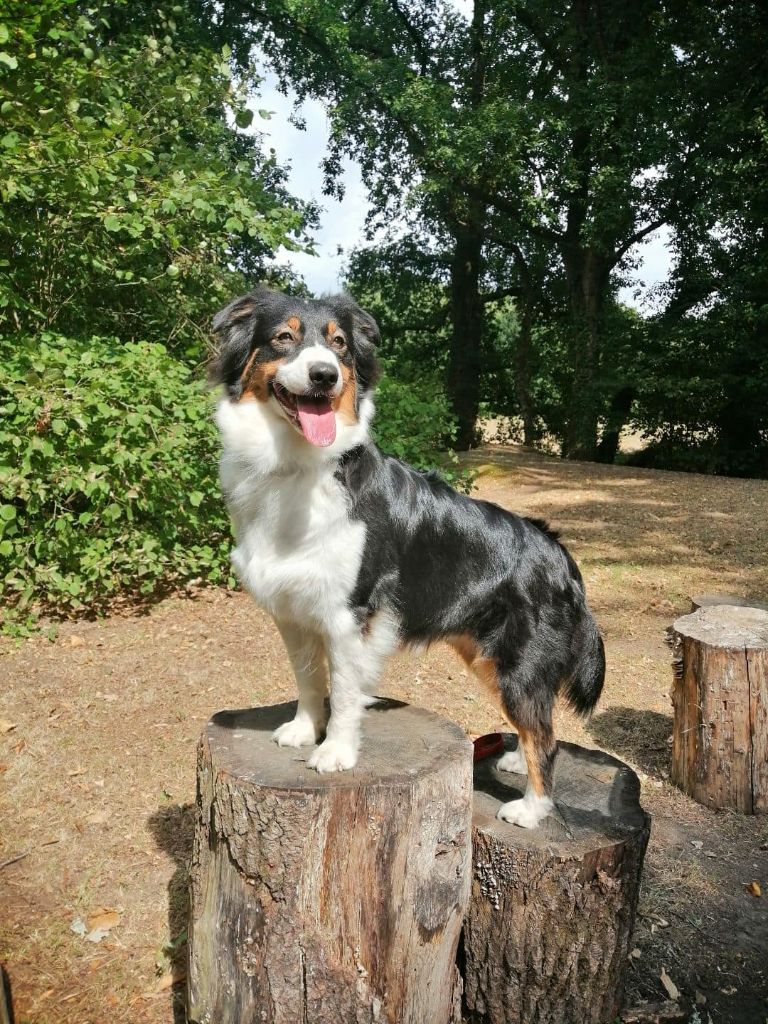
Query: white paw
333,756
525,813
297,733
513,761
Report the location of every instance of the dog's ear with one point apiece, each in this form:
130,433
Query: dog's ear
365,338
236,326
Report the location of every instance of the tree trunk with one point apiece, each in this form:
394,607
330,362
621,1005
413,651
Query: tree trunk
551,913
467,316
320,899
720,698
523,374
618,412
587,274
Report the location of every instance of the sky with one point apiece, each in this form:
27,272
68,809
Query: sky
342,223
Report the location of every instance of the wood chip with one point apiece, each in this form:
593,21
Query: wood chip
669,986
754,889
6,726
654,1013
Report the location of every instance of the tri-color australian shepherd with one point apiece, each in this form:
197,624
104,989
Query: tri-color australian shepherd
356,554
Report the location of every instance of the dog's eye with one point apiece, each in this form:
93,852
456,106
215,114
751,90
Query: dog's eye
286,337
338,343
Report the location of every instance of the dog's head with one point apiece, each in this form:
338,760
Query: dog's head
309,361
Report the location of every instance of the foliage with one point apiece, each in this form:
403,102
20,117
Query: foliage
413,420
108,484
132,204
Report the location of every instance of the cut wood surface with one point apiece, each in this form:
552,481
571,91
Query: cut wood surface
720,698
547,933
329,899
710,600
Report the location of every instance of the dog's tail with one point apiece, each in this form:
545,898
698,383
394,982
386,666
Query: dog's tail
583,687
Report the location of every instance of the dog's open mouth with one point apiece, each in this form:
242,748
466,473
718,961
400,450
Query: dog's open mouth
313,415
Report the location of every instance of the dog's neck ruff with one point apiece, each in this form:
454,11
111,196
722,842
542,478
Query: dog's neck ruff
258,442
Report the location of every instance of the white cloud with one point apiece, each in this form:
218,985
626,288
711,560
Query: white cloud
341,223
655,264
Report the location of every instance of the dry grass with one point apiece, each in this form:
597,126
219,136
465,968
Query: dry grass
98,773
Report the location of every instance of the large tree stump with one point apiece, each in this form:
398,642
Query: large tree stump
720,697
551,914
329,899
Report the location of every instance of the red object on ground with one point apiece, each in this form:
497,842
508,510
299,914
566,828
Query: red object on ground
491,743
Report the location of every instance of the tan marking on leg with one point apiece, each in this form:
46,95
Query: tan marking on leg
256,379
483,668
344,404
537,746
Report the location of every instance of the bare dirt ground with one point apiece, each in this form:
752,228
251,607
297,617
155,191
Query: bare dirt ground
98,732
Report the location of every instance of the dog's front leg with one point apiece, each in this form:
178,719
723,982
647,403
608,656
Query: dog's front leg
356,662
307,656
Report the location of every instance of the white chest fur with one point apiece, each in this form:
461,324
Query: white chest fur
298,552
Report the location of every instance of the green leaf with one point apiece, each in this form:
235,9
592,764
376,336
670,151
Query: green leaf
244,118
112,222
196,498
9,60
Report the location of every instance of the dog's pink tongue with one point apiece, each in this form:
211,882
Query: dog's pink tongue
317,421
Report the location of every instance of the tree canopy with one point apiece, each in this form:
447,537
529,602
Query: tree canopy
536,145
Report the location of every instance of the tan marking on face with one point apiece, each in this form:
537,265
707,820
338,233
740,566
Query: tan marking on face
294,323
256,378
331,329
344,403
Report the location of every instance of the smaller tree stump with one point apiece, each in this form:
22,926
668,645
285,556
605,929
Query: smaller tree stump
329,899
720,699
711,600
552,909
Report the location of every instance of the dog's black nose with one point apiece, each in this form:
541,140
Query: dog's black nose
323,375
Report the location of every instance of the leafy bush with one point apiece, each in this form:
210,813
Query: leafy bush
108,475
412,422
415,423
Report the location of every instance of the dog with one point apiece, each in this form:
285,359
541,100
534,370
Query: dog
356,554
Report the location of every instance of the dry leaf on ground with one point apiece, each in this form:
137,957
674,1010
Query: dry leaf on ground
6,726
103,918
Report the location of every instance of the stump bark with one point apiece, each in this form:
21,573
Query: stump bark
547,933
329,899
720,699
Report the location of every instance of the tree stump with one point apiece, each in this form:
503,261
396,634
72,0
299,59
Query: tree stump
329,899
551,913
720,699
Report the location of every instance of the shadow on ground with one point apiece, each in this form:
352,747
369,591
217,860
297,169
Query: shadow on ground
642,737
172,829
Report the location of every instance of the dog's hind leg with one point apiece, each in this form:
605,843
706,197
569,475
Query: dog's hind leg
307,656
538,746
